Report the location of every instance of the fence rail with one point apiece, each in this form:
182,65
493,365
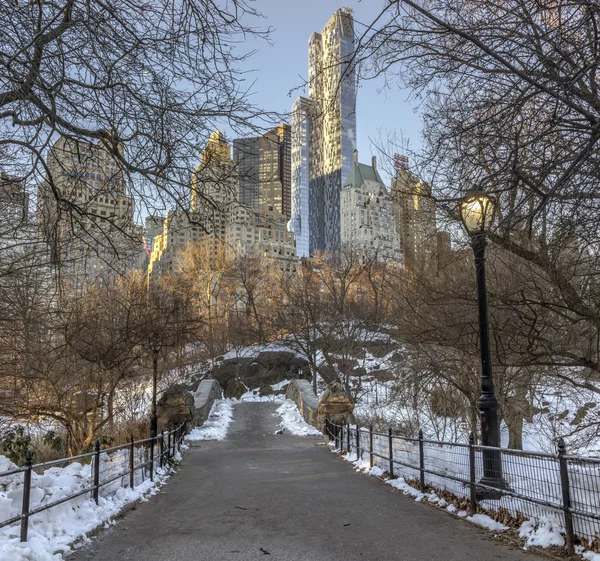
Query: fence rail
143,458
561,486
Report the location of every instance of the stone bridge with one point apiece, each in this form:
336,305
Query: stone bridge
258,493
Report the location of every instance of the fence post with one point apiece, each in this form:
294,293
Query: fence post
371,445
131,463
26,495
472,485
96,470
348,438
566,496
152,439
357,441
391,447
174,441
168,444
421,461
162,447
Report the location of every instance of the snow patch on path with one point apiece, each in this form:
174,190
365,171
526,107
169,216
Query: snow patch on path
292,422
215,427
486,522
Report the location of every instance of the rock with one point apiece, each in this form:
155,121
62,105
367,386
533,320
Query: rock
175,406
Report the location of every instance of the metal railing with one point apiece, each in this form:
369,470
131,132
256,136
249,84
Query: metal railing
142,457
562,486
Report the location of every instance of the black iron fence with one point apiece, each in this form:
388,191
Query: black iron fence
126,465
563,489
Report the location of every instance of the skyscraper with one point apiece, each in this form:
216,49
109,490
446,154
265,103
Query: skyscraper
263,165
414,212
331,127
300,219
87,215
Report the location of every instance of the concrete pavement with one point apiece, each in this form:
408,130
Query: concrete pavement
257,494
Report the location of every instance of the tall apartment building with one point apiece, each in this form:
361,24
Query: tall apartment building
86,214
263,167
214,185
367,220
414,212
262,233
14,205
331,127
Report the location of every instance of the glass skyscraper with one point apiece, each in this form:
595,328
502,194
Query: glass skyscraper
331,130
264,169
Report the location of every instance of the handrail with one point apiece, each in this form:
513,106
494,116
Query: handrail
174,445
458,472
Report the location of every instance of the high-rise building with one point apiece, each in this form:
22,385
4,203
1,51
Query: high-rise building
86,214
219,220
14,205
367,221
153,226
299,223
414,212
263,167
331,127
214,186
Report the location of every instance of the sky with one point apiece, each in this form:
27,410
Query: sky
280,68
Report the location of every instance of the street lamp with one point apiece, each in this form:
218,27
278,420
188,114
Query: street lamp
155,348
477,214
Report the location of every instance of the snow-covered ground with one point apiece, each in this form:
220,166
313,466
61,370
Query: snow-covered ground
292,422
254,395
215,427
54,531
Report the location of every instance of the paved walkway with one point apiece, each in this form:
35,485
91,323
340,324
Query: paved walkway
257,493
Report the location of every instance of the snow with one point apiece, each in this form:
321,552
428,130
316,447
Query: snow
254,395
52,532
255,350
591,556
292,422
215,427
486,522
543,532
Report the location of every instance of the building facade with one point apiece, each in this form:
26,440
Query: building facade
331,127
263,167
87,216
414,213
367,220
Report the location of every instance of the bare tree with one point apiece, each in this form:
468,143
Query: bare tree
510,104
145,81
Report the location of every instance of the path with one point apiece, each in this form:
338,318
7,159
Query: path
258,492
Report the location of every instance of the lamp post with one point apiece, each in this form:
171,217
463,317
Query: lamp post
155,347
477,214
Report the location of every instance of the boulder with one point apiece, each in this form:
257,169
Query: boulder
175,406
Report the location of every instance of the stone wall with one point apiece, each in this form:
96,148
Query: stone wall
300,392
208,391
